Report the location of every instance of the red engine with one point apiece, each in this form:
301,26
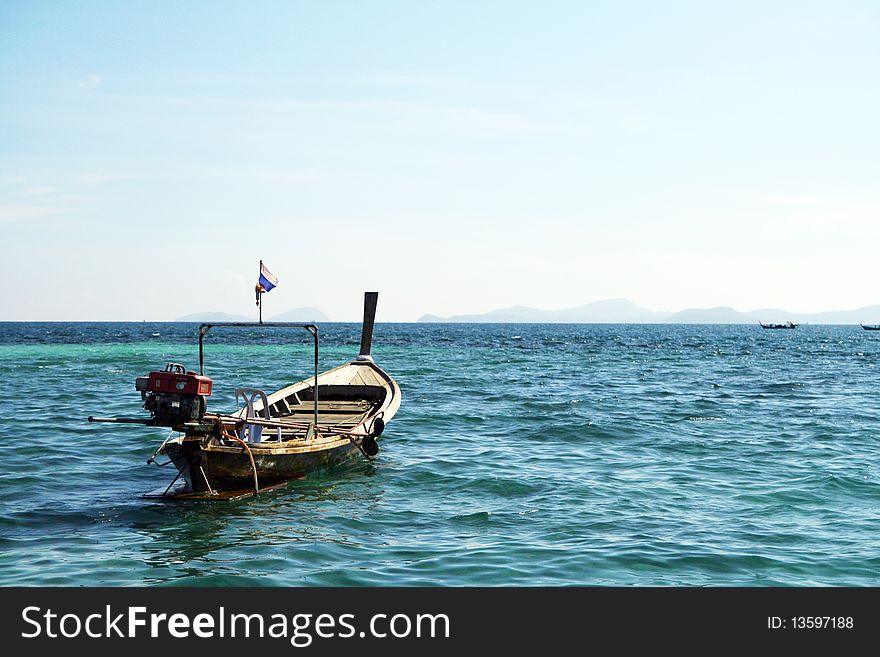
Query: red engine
188,383
175,396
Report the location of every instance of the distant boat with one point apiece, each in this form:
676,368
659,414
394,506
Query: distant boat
787,325
870,327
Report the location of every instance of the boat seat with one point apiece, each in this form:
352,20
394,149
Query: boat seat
253,433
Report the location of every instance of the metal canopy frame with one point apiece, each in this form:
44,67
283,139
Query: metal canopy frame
311,328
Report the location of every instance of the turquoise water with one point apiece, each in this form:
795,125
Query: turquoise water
522,455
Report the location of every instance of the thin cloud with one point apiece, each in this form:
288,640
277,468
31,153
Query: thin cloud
438,115
14,213
93,179
39,190
91,82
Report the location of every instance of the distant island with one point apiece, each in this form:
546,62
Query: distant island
305,314
623,311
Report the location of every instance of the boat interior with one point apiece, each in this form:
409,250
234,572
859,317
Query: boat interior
340,405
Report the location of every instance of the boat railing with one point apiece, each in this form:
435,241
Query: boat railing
311,328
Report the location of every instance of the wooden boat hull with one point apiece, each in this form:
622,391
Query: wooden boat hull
352,398
217,467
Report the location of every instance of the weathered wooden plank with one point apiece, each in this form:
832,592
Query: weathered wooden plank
369,377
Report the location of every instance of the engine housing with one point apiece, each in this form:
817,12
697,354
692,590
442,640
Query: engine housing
175,396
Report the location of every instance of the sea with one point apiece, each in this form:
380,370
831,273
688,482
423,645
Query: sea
522,454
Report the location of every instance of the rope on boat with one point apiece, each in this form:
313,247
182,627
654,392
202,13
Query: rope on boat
207,483
376,428
226,434
360,447
152,459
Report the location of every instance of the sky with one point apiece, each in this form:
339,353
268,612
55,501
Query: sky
455,156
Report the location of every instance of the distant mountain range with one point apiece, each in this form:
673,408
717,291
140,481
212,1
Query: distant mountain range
622,311
306,314
609,310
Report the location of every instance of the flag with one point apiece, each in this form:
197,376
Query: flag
267,279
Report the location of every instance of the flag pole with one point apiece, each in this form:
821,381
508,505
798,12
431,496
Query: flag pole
260,295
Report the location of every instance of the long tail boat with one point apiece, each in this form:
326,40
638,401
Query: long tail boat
870,327
328,419
787,325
